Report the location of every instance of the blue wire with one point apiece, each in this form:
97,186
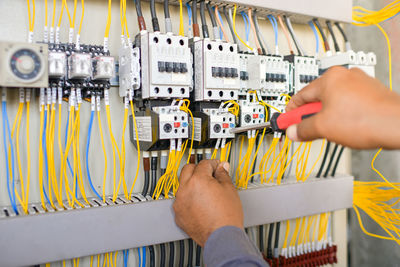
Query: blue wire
189,11
144,256
246,25
45,155
274,23
87,154
316,36
140,257
392,16
126,257
7,125
221,35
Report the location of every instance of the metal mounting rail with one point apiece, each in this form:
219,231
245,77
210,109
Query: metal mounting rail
58,235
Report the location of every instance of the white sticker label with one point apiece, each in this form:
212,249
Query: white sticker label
79,96
197,129
143,129
106,98
92,103
178,77
59,95
126,102
54,95
48,92
21,95
98,103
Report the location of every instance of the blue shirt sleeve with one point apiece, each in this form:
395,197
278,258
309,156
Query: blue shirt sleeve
230,246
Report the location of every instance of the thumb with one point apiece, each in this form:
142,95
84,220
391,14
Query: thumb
307,130
221,173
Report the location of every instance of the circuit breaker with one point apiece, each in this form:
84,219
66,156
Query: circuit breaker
277,77
216,70
305,70
23,65
165,65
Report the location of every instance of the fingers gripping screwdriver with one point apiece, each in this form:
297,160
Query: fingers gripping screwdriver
281,121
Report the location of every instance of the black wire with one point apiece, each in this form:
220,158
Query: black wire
204,26
258,32
138,8
190,253
181,253
337,161
171,254
335,43
153,167
292,35
162,255
154,20
199,157
318,25
146,183
278,227
194,11
269,244
341,31
166,9
328,145
331,160
230,26
152,256
212,15
198,255
261,238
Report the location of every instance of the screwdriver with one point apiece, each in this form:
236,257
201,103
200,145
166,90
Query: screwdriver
281,121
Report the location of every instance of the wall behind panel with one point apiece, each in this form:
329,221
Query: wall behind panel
14,26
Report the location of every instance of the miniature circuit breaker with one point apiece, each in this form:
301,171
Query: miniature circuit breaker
165,65
159,125
350,59
305,70
216,70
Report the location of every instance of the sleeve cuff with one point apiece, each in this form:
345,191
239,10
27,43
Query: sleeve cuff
230,244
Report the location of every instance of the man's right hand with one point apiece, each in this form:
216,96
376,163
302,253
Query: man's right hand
358,111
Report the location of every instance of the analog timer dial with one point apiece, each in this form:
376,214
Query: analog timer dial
26,65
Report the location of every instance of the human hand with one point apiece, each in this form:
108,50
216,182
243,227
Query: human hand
358,111
206,200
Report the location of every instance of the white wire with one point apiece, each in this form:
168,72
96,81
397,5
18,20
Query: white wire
289,24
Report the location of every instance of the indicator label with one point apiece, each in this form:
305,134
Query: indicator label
144,129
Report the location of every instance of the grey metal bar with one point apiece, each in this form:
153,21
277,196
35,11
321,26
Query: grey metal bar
54,236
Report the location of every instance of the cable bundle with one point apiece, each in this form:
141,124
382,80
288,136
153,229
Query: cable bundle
365,17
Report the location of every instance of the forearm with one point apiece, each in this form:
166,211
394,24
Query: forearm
230,246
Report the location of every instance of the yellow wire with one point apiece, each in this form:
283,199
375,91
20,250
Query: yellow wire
28,154
138,149
74,14
125,20
68,13
234,29
45,12
53,18
181,28
122,160
105,156
107,32
83,13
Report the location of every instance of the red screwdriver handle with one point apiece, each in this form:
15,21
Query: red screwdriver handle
281,121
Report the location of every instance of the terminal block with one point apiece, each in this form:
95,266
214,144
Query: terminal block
305,70
251,113
350,59
216,70
158,125
165,65
129,70
79,66
215,124
103,67
277,77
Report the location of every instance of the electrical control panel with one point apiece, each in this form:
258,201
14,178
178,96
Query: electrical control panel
350,59
79,66
165,65
305,70
277,77
103,67
57,64
216,70
129,70
23,65
251,113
